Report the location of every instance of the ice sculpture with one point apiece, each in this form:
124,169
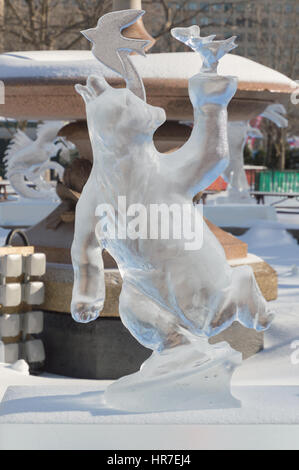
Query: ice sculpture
27,161
238,133
238,189
173,299
210,51
116,56
277,114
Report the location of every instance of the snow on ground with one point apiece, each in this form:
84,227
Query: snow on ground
11,377
86,405
274,366
289,219
282,202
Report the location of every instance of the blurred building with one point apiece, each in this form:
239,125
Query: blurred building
267,30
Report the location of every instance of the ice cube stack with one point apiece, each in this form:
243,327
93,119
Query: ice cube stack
20,295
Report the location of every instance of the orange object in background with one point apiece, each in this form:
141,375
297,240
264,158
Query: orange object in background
218,185
221,185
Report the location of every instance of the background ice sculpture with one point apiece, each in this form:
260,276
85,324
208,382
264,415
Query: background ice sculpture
238,133
172,299
238,189
277,114
27,161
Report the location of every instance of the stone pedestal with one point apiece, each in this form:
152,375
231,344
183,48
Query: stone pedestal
101,350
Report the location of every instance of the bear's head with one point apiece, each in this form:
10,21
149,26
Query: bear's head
117,118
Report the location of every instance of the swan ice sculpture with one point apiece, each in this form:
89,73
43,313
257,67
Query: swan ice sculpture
26,161
173,298
238,133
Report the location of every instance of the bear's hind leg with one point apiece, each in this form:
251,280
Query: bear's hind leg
149,322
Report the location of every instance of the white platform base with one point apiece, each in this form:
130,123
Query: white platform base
76,418
85,405
148,437
20,212
234,215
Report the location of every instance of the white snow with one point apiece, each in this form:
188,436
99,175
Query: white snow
9,376
84,405
21,212
237,215
176,65
21,366
274,366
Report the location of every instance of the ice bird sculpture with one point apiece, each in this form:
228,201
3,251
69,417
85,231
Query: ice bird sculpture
173,299
26,161
210,51
111,48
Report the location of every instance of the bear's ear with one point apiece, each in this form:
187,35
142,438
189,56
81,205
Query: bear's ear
95,86
84,92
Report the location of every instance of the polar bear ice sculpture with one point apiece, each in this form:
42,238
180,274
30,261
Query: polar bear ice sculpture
27,161
172,299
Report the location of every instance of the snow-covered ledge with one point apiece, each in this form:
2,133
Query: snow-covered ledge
21,212
238,215
40,84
